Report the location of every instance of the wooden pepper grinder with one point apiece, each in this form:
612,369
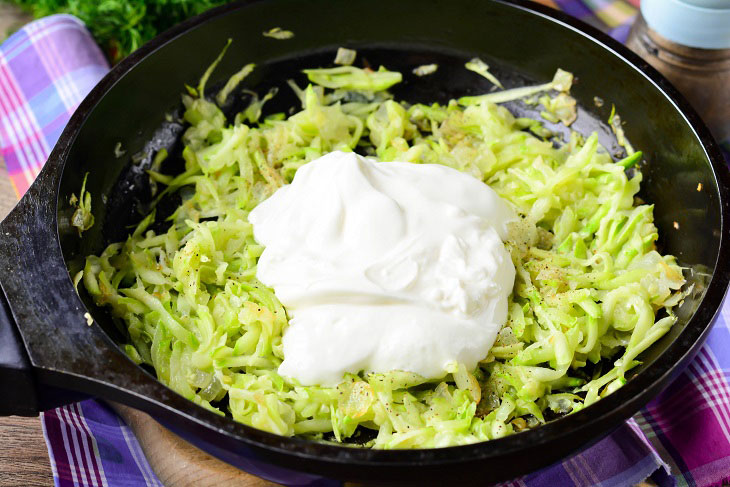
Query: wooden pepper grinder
688,41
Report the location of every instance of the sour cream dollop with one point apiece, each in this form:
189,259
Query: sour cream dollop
384,266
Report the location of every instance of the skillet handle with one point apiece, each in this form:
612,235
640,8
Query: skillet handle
18,389
20,392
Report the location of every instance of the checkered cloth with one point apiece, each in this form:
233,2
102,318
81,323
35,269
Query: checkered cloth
46,69
681,438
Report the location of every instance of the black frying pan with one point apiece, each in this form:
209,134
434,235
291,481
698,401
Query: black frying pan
46,347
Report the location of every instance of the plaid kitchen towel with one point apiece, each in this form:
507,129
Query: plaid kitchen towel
90,445
46,69
681,438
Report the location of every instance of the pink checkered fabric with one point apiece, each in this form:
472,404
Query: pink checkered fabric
46,69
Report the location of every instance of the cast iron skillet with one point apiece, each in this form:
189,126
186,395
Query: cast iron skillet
684,176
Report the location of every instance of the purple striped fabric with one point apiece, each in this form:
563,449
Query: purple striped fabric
681,438
689,423
89,445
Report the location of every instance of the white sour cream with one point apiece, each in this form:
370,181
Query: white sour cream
384,266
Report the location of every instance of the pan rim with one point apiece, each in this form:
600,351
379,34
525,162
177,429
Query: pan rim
614,408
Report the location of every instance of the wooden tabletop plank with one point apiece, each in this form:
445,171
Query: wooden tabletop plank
176,462
23,456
